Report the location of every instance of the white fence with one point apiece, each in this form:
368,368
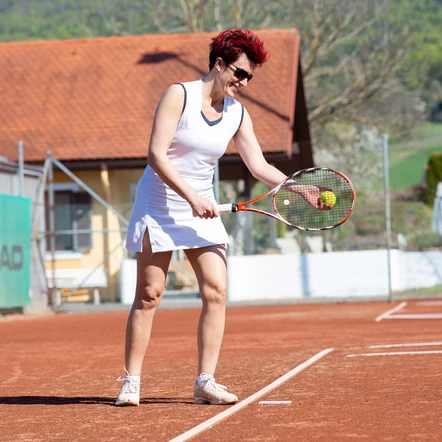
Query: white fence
336,274
330,275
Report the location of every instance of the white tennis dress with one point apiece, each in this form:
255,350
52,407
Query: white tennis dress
195,150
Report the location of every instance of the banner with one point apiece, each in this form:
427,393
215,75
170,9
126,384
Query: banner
15,251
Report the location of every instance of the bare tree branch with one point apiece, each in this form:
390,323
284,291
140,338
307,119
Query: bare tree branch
331,71
217,15
350,59
351,53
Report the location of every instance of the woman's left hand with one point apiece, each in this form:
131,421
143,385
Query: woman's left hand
311,194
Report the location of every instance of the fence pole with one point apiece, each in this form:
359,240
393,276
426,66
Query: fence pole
387,212
51,204
20,169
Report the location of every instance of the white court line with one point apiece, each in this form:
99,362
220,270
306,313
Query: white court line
212,421
429,302
274,402
416,316
389,312
397,353
414,344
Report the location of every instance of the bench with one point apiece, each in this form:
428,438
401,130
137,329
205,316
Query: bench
76,280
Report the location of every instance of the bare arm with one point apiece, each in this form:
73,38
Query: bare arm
165,123
250,151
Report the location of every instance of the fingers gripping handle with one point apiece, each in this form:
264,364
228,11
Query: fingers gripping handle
227,208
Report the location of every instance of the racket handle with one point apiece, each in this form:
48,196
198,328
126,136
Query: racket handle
227,208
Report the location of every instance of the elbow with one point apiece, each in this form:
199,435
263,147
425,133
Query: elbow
159,163
259,173
154,160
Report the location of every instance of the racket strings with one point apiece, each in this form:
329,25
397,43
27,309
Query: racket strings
292,206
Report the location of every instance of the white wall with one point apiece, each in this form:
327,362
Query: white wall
422,269
335,274
128,281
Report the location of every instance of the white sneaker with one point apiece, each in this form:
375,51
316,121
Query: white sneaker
207,391
130,390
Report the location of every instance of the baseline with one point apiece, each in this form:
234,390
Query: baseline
208,423
409,344
437,302
416,316
397,353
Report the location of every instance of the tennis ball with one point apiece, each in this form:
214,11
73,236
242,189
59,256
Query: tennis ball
328,198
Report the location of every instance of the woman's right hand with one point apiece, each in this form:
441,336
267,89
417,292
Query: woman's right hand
204,208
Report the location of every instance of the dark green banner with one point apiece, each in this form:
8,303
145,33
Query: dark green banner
15,251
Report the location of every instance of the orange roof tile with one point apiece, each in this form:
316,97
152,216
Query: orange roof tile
91,99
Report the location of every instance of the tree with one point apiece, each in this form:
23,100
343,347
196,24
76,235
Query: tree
354,59
359,58
354,62
351,55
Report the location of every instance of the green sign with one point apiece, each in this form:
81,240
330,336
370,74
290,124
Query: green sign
15,251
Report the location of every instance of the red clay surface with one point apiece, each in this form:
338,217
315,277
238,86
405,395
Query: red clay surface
58,376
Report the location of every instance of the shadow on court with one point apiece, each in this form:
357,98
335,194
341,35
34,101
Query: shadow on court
58,400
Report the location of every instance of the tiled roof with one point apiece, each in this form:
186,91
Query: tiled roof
92,99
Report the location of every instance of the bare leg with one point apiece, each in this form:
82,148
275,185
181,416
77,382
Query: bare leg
151,279
210,266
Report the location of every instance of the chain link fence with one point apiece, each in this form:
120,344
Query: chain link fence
410,212
366,229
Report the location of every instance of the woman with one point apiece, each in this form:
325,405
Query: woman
175,206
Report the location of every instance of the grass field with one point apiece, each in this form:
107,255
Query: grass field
407,165
407,160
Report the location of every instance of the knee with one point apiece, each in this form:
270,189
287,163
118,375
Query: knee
148,297
214,294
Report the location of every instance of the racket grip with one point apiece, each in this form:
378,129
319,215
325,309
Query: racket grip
227,208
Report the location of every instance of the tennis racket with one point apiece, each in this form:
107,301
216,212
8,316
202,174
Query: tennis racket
291,207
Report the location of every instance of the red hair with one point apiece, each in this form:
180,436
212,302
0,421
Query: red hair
230,44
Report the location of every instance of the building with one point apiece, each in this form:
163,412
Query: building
90,103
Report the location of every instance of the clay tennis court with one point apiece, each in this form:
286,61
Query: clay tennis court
351,371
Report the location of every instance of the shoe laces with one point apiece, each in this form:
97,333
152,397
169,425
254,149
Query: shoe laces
129,387
130,384
210,380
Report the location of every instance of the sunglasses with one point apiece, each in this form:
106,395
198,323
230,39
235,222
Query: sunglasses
241,74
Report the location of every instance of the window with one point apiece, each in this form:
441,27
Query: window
73,216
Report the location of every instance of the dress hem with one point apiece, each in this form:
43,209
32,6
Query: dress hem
135,248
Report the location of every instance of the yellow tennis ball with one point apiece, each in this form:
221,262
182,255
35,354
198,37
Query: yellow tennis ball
328,198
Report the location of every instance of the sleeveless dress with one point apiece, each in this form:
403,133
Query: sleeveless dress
197,145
